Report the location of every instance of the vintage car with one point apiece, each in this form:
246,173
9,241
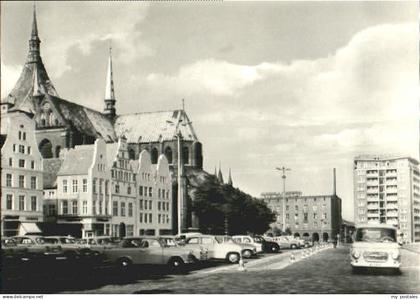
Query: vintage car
71,249
172,241
38,249
147,251
220,247
375,245
287,242
267,245
99,244
245,239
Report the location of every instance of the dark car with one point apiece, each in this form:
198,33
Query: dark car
267,246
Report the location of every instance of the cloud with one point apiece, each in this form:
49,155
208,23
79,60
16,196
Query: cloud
95,24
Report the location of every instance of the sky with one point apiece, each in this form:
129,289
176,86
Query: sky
306,85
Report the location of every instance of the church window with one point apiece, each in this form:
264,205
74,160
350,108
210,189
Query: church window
185,155
168,154
154,155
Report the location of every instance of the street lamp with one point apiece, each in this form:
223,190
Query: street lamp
283,170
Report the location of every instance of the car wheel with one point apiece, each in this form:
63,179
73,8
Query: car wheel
233,257
275,249
124,264
247,253
293,246
176,263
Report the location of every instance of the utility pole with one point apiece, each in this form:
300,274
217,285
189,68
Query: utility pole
283,170
180,193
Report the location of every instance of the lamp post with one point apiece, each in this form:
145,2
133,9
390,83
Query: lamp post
283,170
180,199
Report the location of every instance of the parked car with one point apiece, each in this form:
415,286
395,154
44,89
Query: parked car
267,246
286,242
12,254
38,249
245,239
217,247
375,245
147,251
99,244
71,249
304,242
248,250
171,241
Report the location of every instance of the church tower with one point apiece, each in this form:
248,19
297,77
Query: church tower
109,110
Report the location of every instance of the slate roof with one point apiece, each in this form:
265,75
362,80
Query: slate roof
51,168
154,126
78,160
25,84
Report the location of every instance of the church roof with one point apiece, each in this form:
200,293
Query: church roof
154,126
77,160
86,120
25,85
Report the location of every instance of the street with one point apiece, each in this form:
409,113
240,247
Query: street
326,271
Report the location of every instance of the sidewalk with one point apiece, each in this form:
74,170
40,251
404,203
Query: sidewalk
413,247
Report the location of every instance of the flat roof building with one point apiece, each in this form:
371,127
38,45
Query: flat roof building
387,190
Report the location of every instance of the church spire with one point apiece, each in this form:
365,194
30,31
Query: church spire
34,41
220,175
109,89
230,178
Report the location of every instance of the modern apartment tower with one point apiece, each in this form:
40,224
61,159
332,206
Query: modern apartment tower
387,190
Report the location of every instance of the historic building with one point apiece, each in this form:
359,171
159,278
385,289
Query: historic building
387,190
21,175
61,124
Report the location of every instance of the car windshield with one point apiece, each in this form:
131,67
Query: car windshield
68,240
50,241
376,235
168,242
258,240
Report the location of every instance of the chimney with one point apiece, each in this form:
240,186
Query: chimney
334,183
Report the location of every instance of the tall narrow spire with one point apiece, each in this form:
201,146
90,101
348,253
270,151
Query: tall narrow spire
220,175
34,41
230,178
36,87
109,89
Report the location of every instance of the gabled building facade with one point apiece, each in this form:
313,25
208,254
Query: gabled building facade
21,174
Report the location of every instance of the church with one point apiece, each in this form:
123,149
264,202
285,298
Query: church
62,124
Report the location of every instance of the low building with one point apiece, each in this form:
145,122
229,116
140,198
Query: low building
310,216
21,175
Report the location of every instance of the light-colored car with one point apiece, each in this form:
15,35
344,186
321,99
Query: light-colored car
219,247
147,251
248,240
172,241
287,242
375,246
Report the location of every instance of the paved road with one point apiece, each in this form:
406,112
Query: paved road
327,271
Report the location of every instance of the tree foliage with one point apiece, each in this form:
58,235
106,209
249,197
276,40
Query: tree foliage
219,206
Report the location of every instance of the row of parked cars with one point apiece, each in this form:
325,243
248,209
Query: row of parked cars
174,251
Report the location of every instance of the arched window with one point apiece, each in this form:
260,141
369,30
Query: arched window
131,154
154,155
168,154
185,155
57,151
45,148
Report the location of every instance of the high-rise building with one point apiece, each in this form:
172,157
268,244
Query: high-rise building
387,190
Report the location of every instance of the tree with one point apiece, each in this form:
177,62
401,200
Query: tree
276,231
218,205
288,231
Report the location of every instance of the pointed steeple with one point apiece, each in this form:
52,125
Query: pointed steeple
109,89
230,178
215,171
220,175
34,41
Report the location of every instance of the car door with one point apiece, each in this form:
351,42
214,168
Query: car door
207,244
149,252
